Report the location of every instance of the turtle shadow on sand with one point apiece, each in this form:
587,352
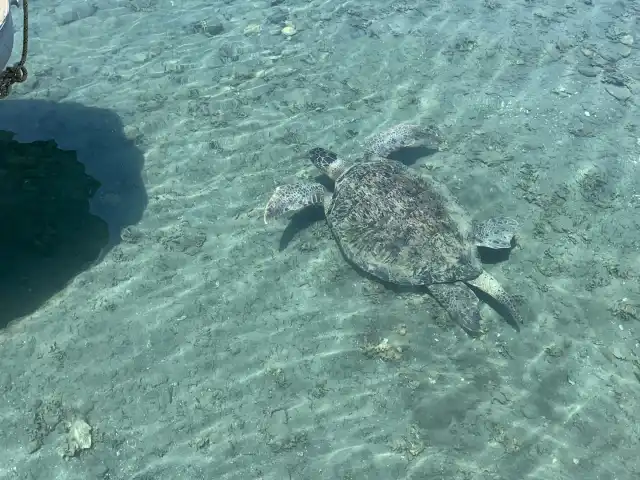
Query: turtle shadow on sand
403,228
300,221
70,181
410,155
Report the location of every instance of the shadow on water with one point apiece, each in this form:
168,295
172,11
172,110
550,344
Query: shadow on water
70,181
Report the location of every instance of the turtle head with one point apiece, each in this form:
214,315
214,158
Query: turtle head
326,161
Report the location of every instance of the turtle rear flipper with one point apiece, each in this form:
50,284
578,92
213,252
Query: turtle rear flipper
288,199
492,287
460,303
495,233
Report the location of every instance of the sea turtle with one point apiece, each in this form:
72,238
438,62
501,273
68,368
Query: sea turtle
401,226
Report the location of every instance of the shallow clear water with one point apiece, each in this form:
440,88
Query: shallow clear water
200,343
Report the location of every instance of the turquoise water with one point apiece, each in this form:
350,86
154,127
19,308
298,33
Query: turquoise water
198,343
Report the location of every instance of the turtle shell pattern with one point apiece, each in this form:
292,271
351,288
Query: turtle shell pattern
400,226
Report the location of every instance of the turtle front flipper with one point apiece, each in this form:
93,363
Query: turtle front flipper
404,135
489,285
495,233
291,198
460,303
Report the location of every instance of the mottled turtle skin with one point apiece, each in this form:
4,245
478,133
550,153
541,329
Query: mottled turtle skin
403,227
